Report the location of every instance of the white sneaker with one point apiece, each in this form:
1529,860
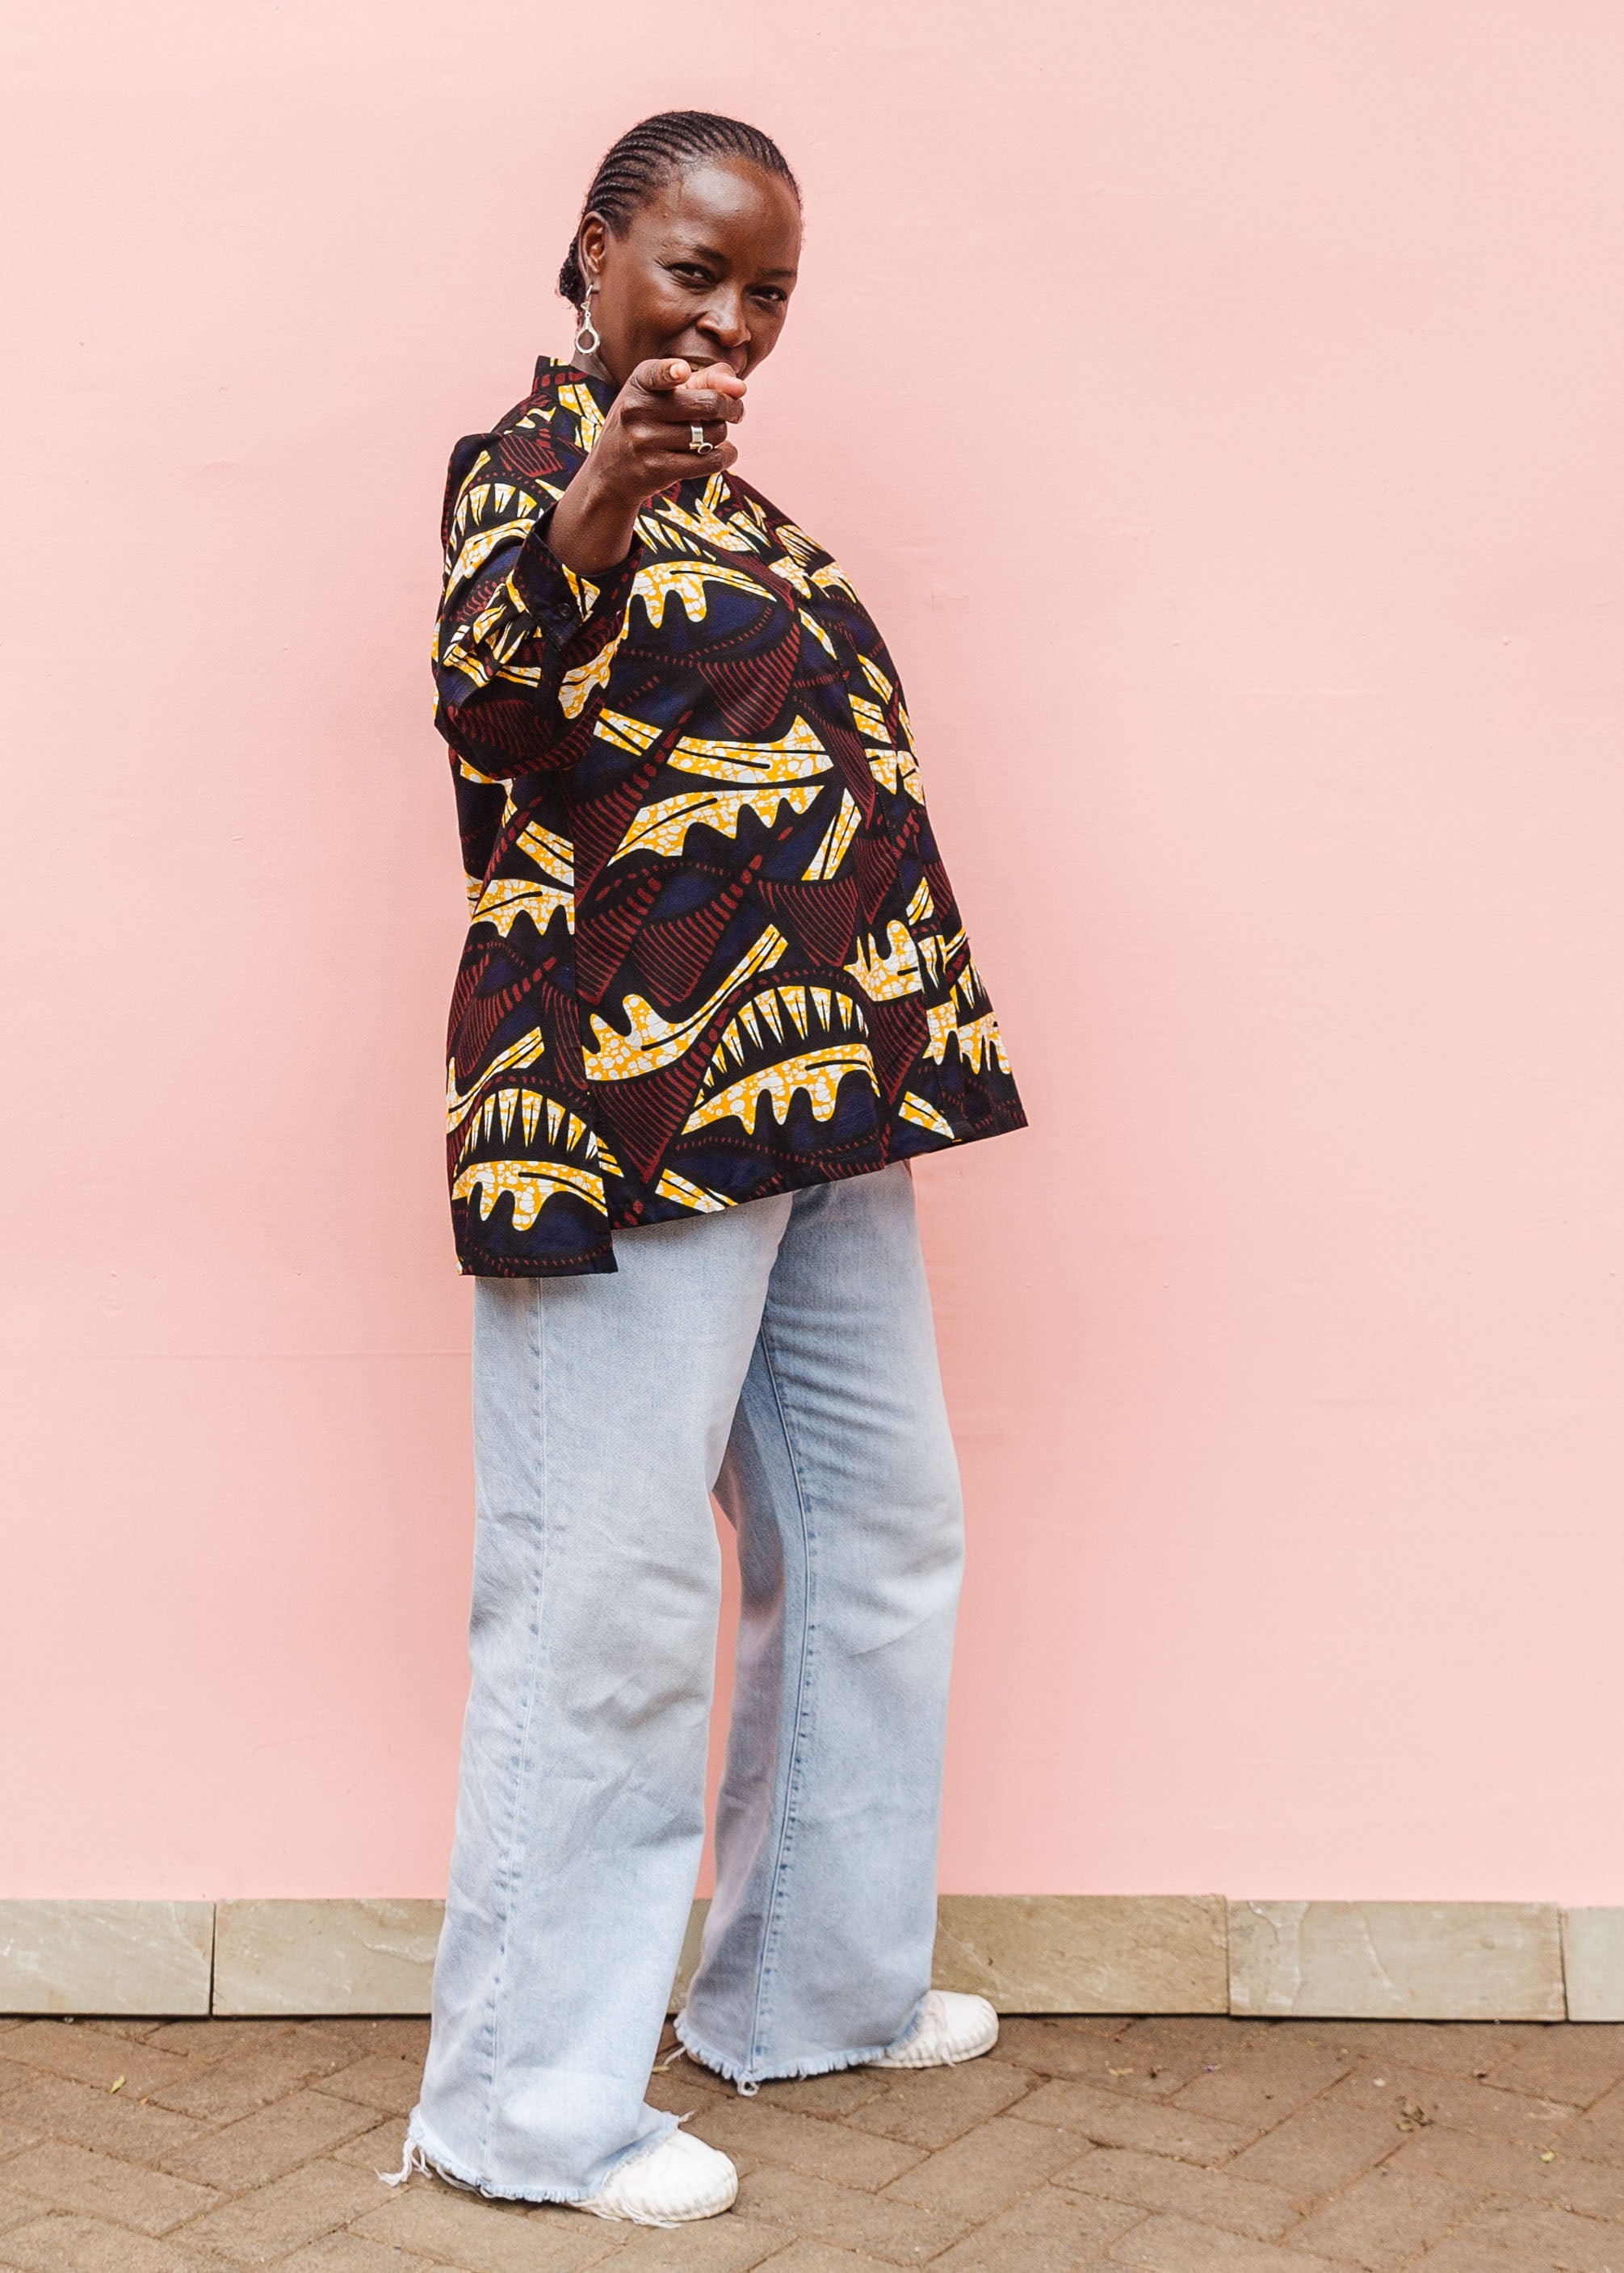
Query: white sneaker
952,2028
680,2179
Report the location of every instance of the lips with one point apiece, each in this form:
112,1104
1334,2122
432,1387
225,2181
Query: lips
700,352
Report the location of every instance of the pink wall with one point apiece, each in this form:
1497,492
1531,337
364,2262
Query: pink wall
1218,406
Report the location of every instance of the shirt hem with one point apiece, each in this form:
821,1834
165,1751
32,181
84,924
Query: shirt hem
476,1263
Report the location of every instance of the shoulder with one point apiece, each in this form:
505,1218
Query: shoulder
800,561
770,518
788,539
511,461
539,443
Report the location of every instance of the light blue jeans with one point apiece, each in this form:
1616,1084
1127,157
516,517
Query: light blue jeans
782,1354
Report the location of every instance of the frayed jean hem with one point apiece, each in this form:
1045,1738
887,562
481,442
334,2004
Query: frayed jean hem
746,2081
421,2154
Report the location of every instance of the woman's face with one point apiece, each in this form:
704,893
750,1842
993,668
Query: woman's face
704,271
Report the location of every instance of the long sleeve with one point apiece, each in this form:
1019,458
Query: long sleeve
511,616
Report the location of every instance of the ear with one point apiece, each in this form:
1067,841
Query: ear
591,244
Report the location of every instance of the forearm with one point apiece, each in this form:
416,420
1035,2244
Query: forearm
590,530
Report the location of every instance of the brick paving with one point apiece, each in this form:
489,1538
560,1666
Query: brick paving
1172,2146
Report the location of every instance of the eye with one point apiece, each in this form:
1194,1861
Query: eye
770,294
690,272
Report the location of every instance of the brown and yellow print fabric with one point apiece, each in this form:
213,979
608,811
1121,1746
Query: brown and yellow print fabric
713,953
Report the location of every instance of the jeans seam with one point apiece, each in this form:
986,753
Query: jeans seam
510,1868
770,1924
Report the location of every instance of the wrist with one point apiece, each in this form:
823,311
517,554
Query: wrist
591,529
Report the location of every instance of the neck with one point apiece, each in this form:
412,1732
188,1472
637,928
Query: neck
593,366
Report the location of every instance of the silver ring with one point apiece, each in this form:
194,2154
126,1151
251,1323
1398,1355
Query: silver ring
697,442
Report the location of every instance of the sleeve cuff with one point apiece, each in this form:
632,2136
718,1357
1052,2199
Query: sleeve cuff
558,599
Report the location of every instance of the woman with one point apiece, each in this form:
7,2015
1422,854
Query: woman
716,995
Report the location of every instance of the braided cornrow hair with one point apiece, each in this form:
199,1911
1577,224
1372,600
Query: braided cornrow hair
647,156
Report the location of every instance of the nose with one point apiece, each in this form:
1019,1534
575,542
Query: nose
723,322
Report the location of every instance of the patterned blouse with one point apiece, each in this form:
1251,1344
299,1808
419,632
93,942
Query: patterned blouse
714,952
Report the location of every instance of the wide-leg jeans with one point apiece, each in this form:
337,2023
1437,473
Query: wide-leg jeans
782,1354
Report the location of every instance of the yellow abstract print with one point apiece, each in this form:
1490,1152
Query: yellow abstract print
713,953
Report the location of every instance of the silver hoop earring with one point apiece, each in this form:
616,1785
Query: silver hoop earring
583,345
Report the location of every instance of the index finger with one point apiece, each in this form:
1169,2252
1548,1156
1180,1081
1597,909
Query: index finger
720,378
